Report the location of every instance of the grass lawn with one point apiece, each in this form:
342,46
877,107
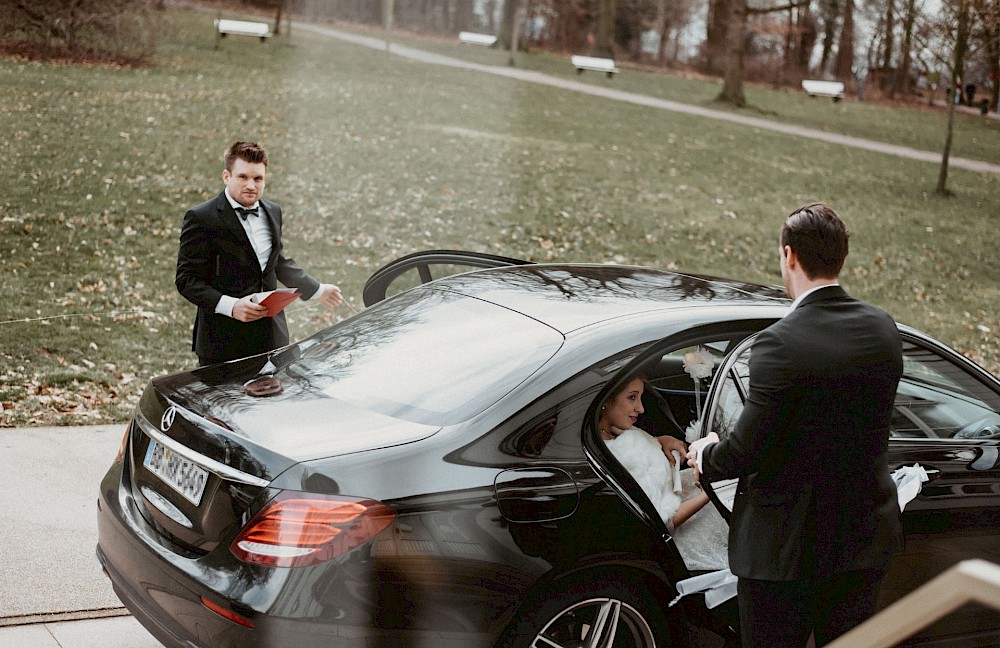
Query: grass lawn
373,156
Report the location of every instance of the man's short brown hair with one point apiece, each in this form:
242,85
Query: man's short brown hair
818,237
251,152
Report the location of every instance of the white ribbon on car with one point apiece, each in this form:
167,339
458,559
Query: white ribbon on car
908,480
720,586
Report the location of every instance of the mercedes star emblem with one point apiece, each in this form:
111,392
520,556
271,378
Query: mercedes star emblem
168,418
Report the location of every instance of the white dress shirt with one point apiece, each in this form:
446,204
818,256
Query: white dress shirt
260,238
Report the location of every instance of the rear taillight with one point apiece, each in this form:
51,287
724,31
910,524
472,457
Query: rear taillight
121,450
300,529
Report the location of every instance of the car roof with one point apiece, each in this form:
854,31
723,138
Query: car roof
571,296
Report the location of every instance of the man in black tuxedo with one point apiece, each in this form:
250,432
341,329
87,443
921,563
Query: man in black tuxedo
230,248
815,516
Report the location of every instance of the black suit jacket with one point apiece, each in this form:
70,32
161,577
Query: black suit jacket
216,258
815,496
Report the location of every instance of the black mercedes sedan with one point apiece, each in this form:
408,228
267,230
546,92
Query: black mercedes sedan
428,472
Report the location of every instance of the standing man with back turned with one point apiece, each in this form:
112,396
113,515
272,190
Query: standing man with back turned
815,517
230,248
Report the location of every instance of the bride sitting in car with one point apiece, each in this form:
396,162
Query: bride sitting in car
673,492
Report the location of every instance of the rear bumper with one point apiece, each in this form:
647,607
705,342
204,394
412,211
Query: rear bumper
146,578
163,589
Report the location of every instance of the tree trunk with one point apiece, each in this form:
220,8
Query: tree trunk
732,86
506,35
606,29
515,32
717,29
845,49
830,9
463,15
991,21
889,43
277,18
807,39
662,28
906,61
958,66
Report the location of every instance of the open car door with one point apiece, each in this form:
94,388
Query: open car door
946,421
422,267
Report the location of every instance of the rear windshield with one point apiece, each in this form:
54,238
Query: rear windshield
427,356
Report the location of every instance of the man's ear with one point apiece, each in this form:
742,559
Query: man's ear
791,259
226,175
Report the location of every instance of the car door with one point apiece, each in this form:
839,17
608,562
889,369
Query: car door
422,267
946,419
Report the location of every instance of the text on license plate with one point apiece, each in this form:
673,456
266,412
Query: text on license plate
181,474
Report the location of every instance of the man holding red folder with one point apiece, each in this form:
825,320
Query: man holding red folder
230,251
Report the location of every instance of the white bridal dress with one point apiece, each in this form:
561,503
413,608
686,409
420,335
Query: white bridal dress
703,539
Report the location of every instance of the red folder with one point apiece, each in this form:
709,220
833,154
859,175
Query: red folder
276,300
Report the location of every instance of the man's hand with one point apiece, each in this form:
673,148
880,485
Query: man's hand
246,310
692,453
330,296
668,443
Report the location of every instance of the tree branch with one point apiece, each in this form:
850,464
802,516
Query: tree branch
785,7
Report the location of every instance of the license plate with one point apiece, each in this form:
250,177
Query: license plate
181,474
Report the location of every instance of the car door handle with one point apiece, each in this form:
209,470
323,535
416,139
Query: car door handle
989,457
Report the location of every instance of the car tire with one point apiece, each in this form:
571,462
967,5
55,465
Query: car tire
619,606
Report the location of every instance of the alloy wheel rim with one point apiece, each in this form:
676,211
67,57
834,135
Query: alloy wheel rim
597,623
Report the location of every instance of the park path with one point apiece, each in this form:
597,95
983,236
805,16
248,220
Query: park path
652,102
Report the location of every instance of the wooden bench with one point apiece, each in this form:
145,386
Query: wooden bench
594,63
473,38
243,28
834,89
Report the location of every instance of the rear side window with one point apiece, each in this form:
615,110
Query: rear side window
426,356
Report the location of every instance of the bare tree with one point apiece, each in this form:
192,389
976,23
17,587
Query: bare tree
961,11
604,45
736,39
845,47
716,33
913,8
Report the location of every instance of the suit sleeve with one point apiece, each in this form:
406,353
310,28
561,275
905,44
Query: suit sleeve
195,263
757,430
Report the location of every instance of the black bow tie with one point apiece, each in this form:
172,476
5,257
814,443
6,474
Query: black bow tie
245,211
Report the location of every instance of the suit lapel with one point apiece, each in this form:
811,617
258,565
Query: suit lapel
268,210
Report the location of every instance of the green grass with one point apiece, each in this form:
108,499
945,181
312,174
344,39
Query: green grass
373,156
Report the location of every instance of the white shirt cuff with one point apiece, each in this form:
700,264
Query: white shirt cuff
225,305
697,459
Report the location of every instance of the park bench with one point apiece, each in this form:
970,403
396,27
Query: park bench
594,63
473,38
834,89
243,28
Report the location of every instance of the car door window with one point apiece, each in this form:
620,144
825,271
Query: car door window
938,399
